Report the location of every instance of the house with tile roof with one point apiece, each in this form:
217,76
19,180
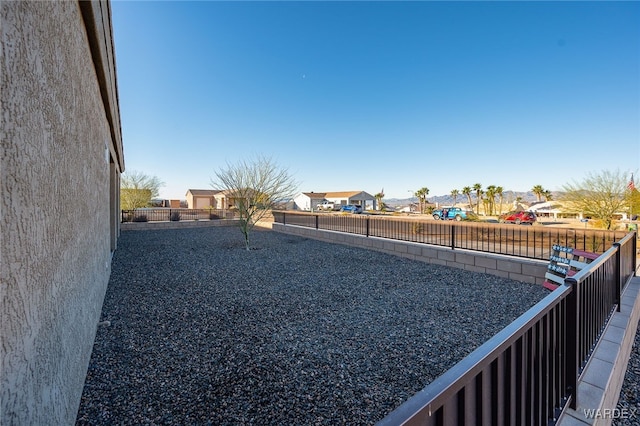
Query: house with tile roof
308,201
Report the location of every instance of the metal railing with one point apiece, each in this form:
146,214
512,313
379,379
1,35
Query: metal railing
532,242
169,214
529,372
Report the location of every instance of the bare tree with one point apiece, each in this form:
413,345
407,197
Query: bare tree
599,195
137,189
255,186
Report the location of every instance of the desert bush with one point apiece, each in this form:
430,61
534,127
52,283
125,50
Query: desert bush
127,217
417,228
140,218
175,216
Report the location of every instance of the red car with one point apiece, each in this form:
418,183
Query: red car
518,217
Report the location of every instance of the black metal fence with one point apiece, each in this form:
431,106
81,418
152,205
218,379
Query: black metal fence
533,242
529,372
169,214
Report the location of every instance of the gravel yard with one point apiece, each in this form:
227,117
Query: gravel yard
295,331
629,402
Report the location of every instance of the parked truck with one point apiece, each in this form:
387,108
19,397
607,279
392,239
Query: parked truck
452,213
326,205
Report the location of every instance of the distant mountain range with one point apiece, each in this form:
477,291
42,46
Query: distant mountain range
508,197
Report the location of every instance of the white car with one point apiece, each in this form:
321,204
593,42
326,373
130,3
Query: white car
325,205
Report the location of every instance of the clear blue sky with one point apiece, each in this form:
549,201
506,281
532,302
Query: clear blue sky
372,95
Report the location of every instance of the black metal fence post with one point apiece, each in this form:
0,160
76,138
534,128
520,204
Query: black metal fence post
572,324
617,297
453,236
367,219
317,221
634,244
284,218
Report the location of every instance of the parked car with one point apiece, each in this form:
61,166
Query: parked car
326,205
452,213
518,217
351,208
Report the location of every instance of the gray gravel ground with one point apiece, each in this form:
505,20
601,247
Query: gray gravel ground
629,402
295,331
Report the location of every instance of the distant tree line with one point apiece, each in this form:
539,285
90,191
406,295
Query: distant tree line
599,196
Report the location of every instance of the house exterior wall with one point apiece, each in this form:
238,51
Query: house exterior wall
199,201
203,202
339,200
302,202
59,178
219,201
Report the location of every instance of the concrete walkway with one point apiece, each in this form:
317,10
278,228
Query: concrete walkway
604,375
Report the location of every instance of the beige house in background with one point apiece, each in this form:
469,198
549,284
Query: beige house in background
210,198
205,198
60,172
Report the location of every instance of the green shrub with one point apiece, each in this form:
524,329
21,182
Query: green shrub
175,216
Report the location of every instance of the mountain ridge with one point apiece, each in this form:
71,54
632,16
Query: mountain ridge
508,197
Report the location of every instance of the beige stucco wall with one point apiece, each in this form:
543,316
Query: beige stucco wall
56,198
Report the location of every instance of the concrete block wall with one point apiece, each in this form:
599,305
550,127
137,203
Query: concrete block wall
181,224
525,270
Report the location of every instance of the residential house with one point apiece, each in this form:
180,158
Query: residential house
211,198
309,200
204,199
60,172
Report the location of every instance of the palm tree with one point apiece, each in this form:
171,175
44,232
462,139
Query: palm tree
454,194
478,188
491,198
467,191
379,196
499,193
486,204
547,195
538,190
422,197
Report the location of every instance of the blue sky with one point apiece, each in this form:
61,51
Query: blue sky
372,95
